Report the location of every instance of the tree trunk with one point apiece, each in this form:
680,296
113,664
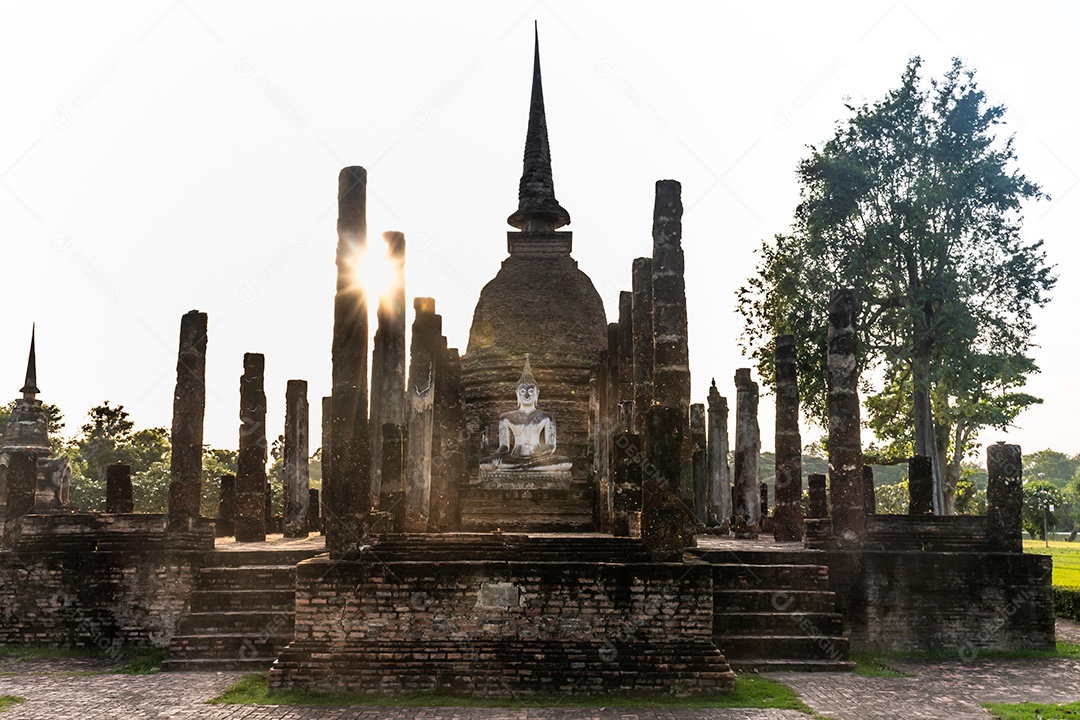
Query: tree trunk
925,437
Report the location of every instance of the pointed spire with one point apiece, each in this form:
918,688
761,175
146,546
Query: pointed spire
30,388
526,374
537,207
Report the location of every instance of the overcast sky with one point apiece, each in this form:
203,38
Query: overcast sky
157,157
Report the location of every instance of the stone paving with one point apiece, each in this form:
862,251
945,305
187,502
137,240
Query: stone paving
76,687
65,688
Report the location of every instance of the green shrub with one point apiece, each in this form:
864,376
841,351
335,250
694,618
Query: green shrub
1067,602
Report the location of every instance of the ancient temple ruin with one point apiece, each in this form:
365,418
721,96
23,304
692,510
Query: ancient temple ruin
548,513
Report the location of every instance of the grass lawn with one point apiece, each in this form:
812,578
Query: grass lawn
751,691
1033,711
1066,560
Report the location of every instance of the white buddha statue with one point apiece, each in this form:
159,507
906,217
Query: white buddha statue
533,433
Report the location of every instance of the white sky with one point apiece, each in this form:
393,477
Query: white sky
161,156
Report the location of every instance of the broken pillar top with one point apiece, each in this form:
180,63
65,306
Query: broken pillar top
538,210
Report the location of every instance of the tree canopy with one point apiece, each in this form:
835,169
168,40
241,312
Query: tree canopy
914,203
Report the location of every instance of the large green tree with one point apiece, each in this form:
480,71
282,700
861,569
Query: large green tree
915,204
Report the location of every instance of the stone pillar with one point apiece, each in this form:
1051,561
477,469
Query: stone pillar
313,511
920,485
845,442
348,490
420,413
626,347
747,451
189,404
700,461
447,442
667,522
251,492
1005,496
763,490
388,357
869,492
268,508
627,460
297,478
395,444
119,497
719,472
787,515
671,355
226,520
819,501
326,460
642,322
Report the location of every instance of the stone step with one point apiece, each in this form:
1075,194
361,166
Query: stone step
774,601
262,646
237,558
785,647
731,576
778,623
247,577
509,547
762,665
240,621
205,601
483,667
259,664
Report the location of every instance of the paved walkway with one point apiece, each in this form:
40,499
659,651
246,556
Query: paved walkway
937,689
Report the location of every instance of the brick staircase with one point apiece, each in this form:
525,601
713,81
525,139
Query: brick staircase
770,614
566,509
240,613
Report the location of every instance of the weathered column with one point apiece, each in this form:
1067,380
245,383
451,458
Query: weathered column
787,515
420,413
819,500
325,457
189,404
119,497
763,491
869,492
671,355
268,508
395,444
388,357
920,485
626,347
447,442
313,511
845,442
297,478
1005,496
719,472
251,460
627,460
226,519
747,452
348,492
667,522
642,321
700,461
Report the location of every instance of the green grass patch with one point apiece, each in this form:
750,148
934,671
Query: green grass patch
138,660
1033,711
1066,557
750,692
7,701
875,666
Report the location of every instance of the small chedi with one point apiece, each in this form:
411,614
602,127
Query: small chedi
32,479
533,433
